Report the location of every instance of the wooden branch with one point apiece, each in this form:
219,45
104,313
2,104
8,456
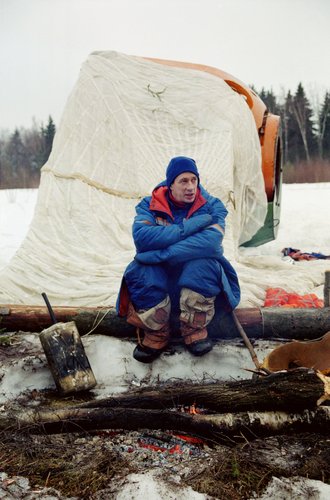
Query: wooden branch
274,322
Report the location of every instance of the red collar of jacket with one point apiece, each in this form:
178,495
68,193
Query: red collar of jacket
160,203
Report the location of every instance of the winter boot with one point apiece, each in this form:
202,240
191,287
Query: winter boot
196,313
155,324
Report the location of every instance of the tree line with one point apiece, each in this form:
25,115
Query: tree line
305,131
23,153
305,139
305,134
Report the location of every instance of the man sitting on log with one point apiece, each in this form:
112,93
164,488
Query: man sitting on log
179,264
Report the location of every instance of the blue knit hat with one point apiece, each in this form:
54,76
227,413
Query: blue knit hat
177,166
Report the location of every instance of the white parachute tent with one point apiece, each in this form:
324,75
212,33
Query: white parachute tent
124,120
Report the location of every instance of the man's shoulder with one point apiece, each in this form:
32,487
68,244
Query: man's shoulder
157,191
144,203
215,204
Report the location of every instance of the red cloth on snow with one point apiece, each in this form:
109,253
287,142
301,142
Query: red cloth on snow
278,297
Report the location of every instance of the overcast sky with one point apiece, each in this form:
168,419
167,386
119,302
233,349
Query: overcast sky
270,43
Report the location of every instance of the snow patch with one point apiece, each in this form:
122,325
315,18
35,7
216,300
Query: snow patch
296,488
143,486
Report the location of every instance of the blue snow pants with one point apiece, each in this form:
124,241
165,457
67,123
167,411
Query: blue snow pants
148,285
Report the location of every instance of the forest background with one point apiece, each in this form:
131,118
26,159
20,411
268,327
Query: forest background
305,141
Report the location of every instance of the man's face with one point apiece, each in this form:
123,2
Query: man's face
184,187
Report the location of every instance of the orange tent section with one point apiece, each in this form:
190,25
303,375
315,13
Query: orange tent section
267,124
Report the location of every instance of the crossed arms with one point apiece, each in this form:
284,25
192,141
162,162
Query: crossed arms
198,237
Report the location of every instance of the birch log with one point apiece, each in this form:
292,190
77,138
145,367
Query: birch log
218,427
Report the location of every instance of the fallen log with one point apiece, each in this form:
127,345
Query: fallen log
288,391
219,428
280,402
259,323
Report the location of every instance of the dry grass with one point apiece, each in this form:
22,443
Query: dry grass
307,172
236,473
67,463
20,180
232,476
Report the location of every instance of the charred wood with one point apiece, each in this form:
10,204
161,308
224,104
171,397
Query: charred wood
219,427
288,391
284,402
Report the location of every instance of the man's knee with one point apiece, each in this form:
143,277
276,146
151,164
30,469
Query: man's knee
196,309
196,313
203,276
147,284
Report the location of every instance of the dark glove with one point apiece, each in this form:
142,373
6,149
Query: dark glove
195,224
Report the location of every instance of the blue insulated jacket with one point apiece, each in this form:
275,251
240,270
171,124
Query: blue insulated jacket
164,233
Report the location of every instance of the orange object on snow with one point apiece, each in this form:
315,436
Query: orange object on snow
277,297
311,354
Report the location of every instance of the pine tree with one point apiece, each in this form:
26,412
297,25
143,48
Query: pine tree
34,145
16,153
48,134
324,128
270,100
292,142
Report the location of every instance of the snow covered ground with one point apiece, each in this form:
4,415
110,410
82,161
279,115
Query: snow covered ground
305,225
16,212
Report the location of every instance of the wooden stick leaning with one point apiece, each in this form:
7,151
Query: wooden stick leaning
247,342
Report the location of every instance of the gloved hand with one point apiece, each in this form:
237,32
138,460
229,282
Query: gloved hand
195,224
